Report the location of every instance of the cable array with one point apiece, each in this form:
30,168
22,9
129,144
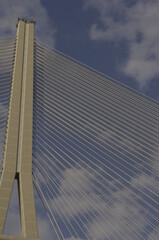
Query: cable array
7,49
95,152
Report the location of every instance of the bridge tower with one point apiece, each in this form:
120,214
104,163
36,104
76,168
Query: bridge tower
18,146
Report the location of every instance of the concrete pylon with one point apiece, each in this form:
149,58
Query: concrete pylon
18,146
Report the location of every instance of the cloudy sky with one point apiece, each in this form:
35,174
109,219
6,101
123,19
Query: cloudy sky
118,38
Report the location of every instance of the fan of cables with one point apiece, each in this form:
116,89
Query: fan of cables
95,152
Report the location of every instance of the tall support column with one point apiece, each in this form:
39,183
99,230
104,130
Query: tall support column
18,147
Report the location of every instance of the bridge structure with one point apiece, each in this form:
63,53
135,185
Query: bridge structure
87,144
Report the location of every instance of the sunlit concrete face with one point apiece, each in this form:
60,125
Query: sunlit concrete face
18,147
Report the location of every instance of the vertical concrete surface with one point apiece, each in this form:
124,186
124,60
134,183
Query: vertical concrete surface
18,146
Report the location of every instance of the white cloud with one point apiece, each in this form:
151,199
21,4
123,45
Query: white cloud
44,229
138,25
10,10
68,191
120,216
117,224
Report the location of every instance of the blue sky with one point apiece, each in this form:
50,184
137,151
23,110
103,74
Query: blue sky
118,38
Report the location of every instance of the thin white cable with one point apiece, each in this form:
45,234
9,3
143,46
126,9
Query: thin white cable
98,98
111,120
48,207
46,187
82,80
135,121
69,106
102,177
82,151
112,81
84,132
51,168
103,186
104,171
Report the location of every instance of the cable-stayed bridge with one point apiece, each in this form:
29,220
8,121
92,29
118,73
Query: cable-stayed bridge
91,141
